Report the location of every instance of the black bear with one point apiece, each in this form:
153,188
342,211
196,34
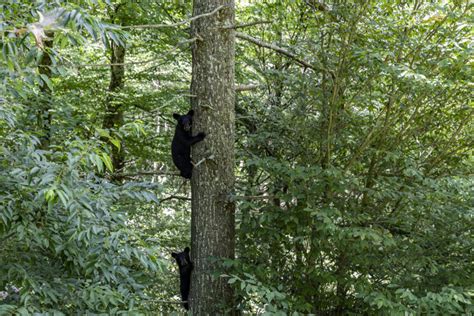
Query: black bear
185,268
182,142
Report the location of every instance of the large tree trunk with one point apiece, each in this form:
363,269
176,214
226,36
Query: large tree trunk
213,231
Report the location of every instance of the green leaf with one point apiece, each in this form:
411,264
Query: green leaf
107,161
116,142
50,194
47,81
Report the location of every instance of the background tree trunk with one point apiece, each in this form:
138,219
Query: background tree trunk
213,231
114,111
44,114
113,118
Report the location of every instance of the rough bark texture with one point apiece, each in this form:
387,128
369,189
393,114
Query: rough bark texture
114,112
213,181
44,68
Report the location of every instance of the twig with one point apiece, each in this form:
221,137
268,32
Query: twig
148,173
211,157
156,26
281,51
238,26
167,302
116,64
368,139
377,129
177,197
174,196
452,140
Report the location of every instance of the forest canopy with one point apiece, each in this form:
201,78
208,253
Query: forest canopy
350,137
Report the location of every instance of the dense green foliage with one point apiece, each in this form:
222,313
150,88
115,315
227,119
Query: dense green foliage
354,158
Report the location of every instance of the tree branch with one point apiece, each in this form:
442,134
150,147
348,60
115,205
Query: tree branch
167,302
238,26
156,26
281,51
115,64
177,197
376,130
148,173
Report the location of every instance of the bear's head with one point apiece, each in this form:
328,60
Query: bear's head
185,121
182,258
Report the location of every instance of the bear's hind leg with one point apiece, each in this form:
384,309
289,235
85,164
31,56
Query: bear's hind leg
186,174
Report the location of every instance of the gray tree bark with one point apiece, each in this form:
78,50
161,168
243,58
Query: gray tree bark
213,220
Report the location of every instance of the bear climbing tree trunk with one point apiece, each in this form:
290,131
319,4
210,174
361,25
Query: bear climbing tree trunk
213,220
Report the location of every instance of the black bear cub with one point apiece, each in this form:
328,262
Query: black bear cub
182,142
185,267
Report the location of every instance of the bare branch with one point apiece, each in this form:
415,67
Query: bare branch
148,173
238,26
167,302
157,26
176,197
281,51
116,64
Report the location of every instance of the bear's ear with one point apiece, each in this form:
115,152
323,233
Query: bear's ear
187,249
174,254
176,116
191,112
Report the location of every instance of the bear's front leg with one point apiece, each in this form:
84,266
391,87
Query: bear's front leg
196,139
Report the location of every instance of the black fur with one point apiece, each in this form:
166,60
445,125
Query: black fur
185,268
182,142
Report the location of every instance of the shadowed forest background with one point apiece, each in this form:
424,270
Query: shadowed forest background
354,190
